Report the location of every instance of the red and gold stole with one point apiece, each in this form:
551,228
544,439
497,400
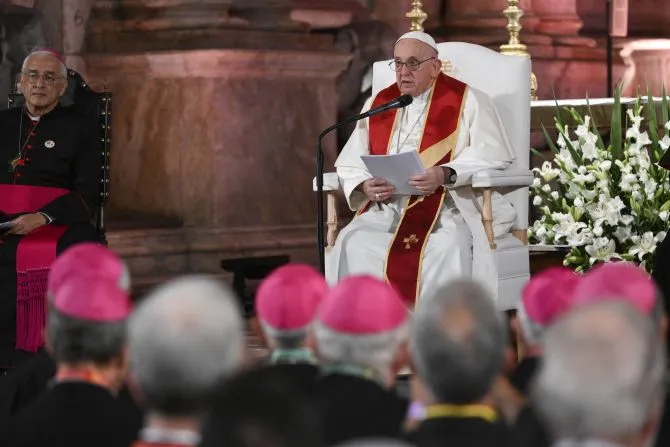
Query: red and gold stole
34,255
440,134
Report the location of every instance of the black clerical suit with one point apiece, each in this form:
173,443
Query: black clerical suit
461,432
74,413
62,150
28,382
524,373
356,407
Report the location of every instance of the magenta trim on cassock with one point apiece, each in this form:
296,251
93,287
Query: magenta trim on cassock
34,255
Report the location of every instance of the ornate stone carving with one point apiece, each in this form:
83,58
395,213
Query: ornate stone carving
20,33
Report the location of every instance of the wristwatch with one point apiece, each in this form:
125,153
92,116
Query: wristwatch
451,179
48,218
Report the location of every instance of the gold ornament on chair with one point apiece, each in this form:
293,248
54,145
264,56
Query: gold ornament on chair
416,16
514,47
447,67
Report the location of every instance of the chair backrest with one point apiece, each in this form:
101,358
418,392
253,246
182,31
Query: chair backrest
96,108
506,79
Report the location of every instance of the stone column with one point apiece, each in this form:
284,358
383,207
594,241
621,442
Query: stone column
648,63
216,111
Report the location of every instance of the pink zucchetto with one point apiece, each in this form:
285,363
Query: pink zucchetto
91,300
362,305
91,260
289,297
618,280
548,295
50,51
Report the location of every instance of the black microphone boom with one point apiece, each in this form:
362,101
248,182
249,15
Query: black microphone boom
398,103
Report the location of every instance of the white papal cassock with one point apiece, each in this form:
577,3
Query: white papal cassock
457,246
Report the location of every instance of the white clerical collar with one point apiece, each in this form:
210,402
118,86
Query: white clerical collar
423,97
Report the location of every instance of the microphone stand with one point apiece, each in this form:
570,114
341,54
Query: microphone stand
609,46
319,188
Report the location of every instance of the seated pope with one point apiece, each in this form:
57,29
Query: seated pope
419,243
50,164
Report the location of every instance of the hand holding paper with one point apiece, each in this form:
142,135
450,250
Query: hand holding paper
397,170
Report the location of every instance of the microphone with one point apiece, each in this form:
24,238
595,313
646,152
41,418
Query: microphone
398,103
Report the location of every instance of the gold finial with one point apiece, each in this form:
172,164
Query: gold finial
514,47
416,16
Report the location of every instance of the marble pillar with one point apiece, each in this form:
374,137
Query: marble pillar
215,117
648,66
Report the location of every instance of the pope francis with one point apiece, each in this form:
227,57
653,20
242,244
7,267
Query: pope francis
419,243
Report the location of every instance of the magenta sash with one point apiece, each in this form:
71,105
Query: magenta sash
34,255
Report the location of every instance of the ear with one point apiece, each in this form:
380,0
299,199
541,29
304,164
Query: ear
663,327
135,390
310,340
401,359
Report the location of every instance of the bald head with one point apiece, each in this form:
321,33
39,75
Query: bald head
602,373
458,343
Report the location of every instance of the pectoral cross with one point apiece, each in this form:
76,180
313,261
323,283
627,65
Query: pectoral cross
408,241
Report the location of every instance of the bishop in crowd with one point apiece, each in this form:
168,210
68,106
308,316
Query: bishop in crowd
50,165
421,242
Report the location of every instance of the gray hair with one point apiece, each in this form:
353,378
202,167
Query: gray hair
184,337
63,68
458,342
602,374
285,339
376,351
76,341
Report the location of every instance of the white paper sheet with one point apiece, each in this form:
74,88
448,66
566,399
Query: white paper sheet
396,169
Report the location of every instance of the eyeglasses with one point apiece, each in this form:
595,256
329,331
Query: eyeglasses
412,64
49,78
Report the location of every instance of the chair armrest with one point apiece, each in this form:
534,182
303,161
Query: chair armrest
493,178
331,182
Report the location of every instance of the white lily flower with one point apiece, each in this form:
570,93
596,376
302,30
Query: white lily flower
667,125
546,188
665,142
537,201
643,245
643,139
602,249
636,120
660,236
663,215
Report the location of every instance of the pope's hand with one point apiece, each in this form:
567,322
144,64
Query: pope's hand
428,182
26,223
378,189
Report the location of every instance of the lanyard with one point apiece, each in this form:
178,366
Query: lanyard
461,411
292,356
81,375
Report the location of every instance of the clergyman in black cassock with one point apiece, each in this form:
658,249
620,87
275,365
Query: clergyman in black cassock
50,164
87,335
458,349
362,330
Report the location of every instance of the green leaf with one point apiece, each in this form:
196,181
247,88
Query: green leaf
538,153
594,126
665,111
615,129
550,142
665,206
653,122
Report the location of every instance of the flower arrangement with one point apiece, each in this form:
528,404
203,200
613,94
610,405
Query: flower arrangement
605,201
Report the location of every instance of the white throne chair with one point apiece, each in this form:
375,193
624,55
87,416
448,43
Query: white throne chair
506,79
